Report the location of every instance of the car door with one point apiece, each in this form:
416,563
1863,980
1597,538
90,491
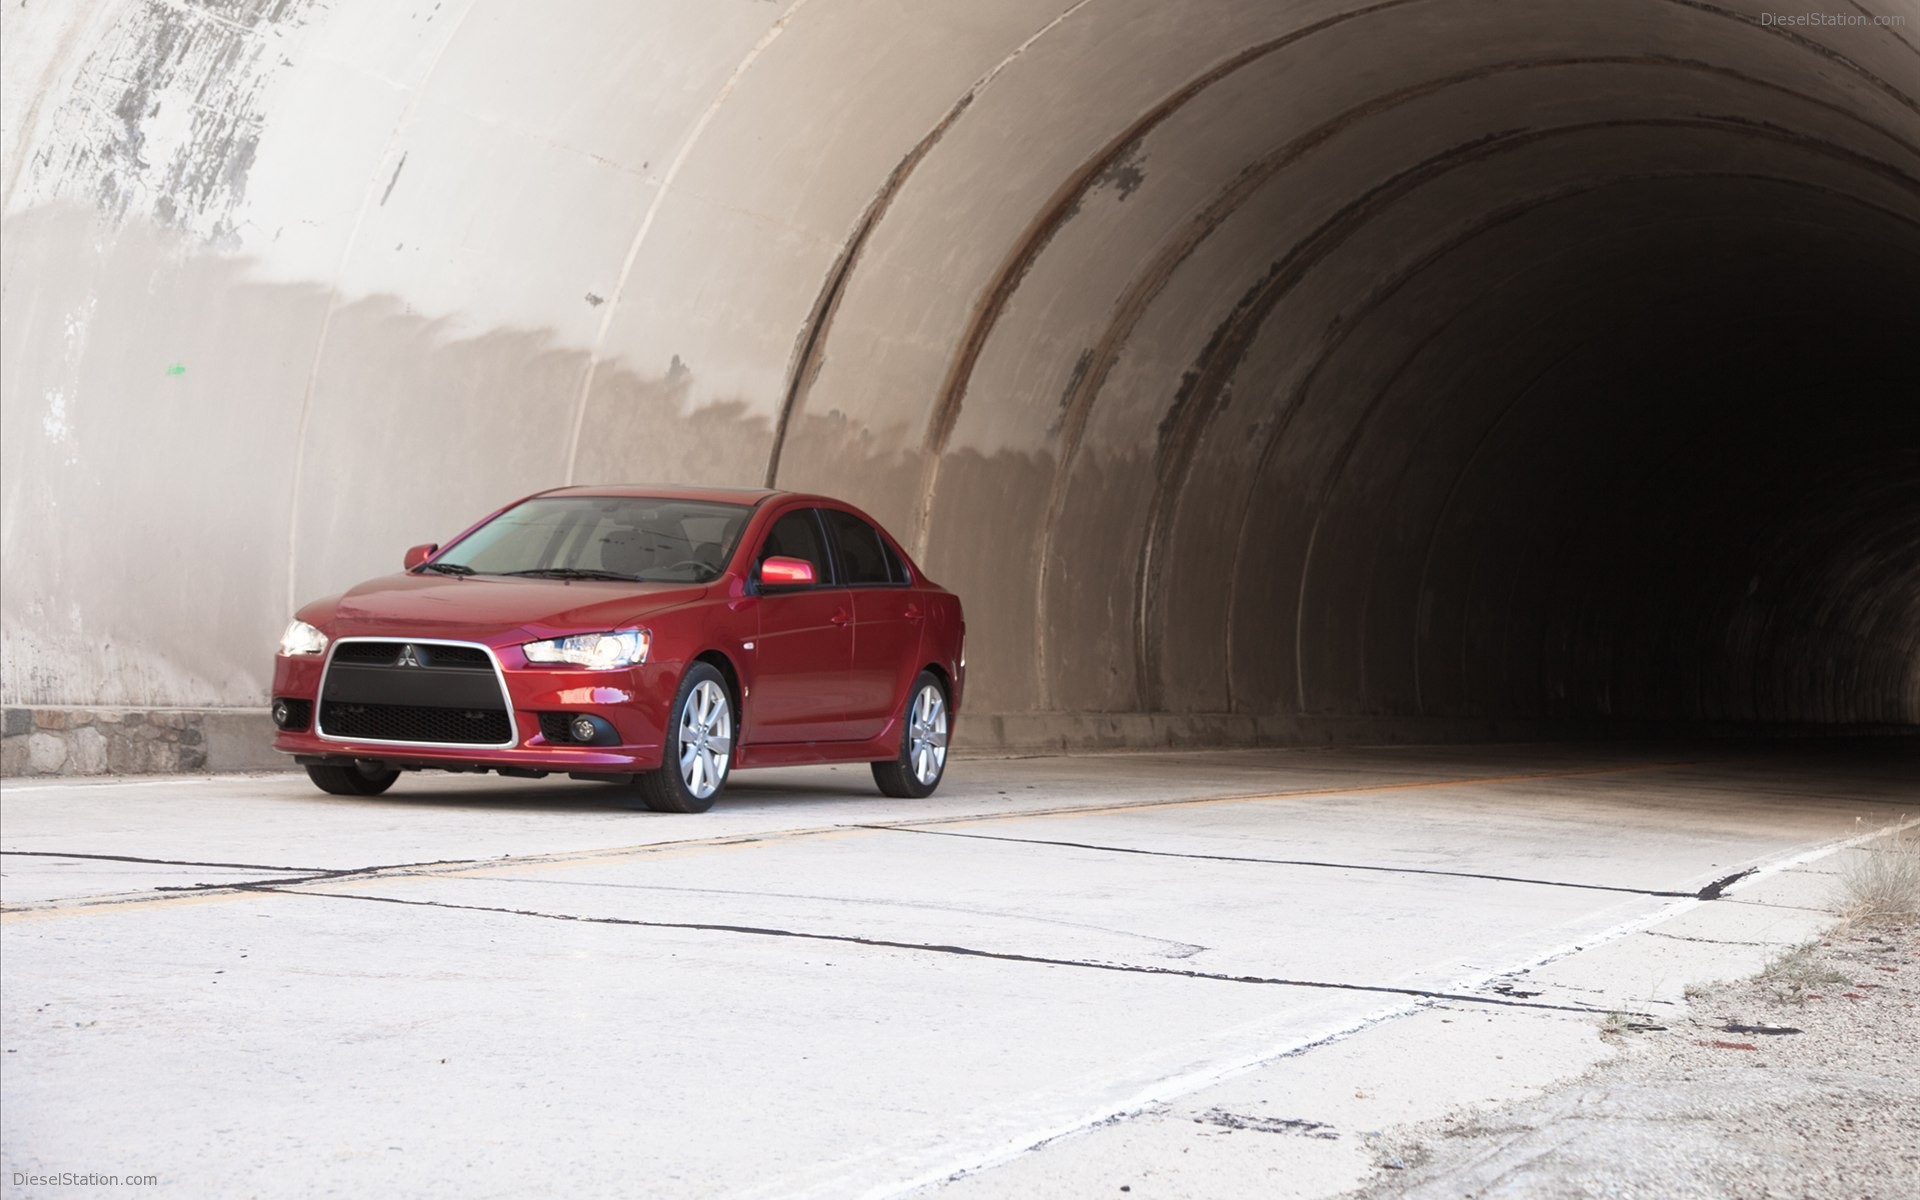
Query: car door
887,620
804,650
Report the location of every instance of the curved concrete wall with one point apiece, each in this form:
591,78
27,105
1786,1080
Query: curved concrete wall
1250,363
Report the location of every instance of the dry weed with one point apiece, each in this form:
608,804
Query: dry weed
1799,972
1882,879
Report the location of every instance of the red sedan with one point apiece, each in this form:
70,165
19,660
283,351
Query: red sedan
661,637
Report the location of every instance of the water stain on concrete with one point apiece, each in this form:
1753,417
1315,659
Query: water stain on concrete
1125,174
165,120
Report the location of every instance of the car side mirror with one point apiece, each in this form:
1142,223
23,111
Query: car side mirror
420,554
779,572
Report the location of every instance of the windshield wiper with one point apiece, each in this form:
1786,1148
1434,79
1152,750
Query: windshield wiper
572,573
448,568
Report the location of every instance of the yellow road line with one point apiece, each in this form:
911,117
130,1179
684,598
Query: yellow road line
123,902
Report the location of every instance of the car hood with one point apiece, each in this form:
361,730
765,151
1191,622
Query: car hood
493,608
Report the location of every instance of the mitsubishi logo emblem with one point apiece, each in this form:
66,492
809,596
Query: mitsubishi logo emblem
409,657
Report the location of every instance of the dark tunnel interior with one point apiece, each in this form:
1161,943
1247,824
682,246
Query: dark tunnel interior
1695,496
1689,486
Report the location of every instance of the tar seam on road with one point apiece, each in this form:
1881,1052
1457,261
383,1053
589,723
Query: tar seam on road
120,900
324,876
1405,785
1179,949
931,948
165,862
1712,891
171,892
1718,888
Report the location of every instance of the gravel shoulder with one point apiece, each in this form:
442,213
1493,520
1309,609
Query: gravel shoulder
1802,1082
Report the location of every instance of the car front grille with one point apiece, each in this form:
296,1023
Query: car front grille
418,692
415,723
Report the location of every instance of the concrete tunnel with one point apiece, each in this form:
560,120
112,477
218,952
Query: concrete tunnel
1256,371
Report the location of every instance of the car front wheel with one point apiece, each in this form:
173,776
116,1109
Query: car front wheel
923,743
699,746
355,779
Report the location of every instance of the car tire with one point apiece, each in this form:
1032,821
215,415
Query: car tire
699,746
924,730
351,780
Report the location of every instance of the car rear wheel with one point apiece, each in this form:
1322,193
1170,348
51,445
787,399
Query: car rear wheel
355,779
699,748
923,744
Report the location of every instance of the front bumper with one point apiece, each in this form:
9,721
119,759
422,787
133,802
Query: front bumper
634,701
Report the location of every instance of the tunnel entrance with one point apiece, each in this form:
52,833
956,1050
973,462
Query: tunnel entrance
1417,366
1255,372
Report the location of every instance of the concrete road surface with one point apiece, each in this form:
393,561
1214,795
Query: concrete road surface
1177,974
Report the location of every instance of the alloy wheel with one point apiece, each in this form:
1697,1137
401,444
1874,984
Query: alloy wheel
927,735
706,739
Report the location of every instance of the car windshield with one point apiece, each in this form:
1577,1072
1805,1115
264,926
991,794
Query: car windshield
603,537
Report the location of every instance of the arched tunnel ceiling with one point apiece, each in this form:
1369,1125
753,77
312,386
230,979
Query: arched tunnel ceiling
1418,360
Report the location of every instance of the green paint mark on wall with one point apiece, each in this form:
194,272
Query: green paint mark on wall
177,369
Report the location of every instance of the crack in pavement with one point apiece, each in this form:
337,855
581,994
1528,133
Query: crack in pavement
1681,937
161,862
1177,948
319,874
1294,1125
275,888
307,875
1713,891
235,887
1306,793
1827,912
326,876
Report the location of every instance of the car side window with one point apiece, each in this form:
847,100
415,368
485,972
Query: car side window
863,552
797,535
896,567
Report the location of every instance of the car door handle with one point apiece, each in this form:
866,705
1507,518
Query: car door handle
913,612
841,617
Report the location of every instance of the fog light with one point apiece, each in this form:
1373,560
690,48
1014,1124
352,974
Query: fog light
582,729
280,713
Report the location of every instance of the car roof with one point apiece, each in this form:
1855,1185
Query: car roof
719,495
678,491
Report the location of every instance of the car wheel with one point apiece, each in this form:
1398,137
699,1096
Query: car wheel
355,779
699,747
923,744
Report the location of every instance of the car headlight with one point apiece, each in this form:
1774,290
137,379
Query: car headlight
623,648
302,638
